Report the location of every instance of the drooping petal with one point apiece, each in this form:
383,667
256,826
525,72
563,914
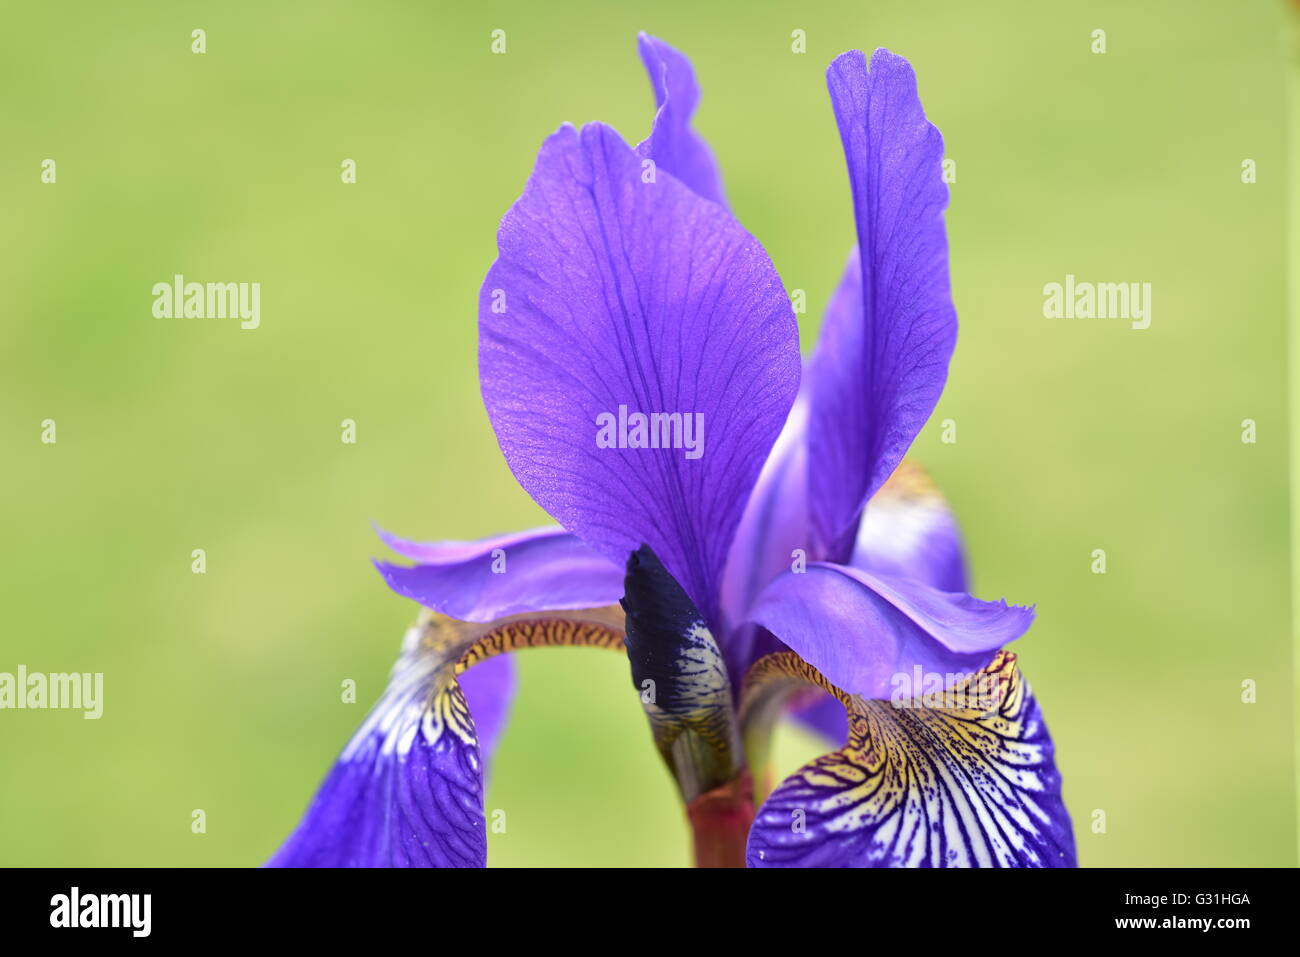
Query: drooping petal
545,569
889,332
964,777
679,673
489,691
407,791
908,531
672,144
615,295
864,631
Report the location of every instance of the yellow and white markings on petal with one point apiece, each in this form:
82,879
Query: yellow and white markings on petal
423,696
916,784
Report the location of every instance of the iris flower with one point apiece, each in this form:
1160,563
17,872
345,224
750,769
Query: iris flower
744,529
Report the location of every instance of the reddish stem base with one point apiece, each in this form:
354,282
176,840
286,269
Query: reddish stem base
720,821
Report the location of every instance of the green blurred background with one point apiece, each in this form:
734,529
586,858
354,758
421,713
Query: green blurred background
222,690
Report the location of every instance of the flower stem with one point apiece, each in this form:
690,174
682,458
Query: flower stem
720,821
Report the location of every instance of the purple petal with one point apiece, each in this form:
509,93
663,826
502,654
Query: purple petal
863,631
489,689
826,717
774,525
925,785
908,531
543,570
452,551
613,291
407,791
889,333
672,144
773,528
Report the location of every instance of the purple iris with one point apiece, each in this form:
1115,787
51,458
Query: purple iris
756,545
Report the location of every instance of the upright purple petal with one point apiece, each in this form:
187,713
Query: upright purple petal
672,144
618,292
908,531
867,633
889,333
772,535
544,570
773,530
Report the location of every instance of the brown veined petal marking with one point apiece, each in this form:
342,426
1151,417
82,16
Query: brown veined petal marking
456,646
963,777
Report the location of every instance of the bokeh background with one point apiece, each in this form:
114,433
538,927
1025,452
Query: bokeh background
222,690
